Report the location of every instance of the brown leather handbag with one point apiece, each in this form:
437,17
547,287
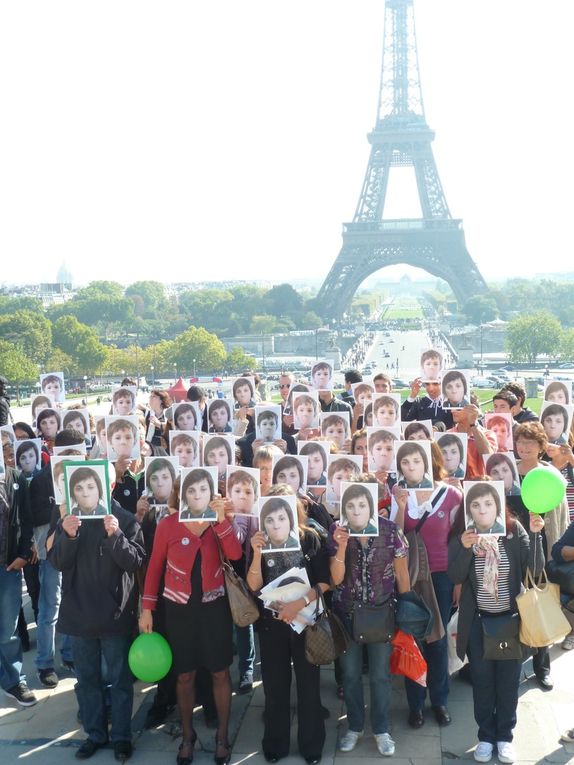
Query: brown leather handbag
242,605
327,638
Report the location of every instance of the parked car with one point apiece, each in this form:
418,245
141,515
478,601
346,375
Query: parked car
483,382
398,383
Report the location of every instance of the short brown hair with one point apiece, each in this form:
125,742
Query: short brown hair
532,431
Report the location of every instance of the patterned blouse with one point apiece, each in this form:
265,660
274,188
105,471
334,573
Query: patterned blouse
369,573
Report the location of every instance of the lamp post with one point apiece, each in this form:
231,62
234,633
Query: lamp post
194,367
152,376
86,388
481,364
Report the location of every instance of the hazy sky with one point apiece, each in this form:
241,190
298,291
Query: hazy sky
198,140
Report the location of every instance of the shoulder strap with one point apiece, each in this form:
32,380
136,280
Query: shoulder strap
425,515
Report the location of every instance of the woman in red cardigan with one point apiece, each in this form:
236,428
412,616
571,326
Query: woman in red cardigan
198,620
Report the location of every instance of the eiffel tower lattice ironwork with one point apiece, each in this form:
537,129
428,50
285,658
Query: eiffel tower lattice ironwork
401,138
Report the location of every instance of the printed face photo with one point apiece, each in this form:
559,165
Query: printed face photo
243,390
322,375
122,437
291,470
556,420
359,503
124,399
198,487
454,387
58,477
268,423
219,452
76,419
339,469
362,393
242,490
87,488
317,455
48,423
501,425
431,365
414,464
453,447
28,458
219,417
52,385
39,403
502,467
185,416
8,456
417,431
278,521
380,446
484,507
305,407
558,391
160,476
184,445
386,409
335,427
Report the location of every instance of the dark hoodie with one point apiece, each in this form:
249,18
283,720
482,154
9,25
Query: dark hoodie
99,596
426,408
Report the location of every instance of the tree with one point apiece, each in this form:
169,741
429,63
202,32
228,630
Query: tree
283,300
199,344
80,342
567,345
148,297
480,309
237,360
29,331
529,336
15,365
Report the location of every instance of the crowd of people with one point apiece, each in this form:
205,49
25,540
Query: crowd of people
334,508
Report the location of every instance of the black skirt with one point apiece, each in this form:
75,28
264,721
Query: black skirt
200,634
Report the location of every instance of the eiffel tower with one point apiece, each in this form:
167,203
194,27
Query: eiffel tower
401,138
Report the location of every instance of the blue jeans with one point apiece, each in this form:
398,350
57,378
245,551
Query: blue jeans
10,646
48,607
494,690
245,649
435,654
90,688
379,681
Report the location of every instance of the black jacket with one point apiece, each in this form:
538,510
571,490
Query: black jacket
20,531
245,445
99,596
42,500
4,410
425,408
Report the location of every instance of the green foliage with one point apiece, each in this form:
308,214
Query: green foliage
80,343
24,303
15,365
237,361
480,309
529,336
567,345
30,332
199,344
148,298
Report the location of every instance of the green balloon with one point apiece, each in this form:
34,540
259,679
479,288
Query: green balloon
543,489
150,657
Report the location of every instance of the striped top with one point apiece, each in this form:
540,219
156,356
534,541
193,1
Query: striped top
484,600
569,491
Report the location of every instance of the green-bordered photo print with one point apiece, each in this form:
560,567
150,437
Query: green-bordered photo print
87,488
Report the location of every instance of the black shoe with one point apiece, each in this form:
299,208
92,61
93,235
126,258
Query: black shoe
68,665
271,757
156,714
89,748
186,759
545,682
442,716
313,760
48,677
123,750
416,718
22,694
222,759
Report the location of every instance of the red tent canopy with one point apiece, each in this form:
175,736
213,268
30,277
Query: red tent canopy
178,391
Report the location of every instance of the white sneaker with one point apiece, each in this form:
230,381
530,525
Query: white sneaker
385,744
349,741
506,751
568,643
483,751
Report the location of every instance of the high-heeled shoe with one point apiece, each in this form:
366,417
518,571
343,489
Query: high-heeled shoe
226,757
186,759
